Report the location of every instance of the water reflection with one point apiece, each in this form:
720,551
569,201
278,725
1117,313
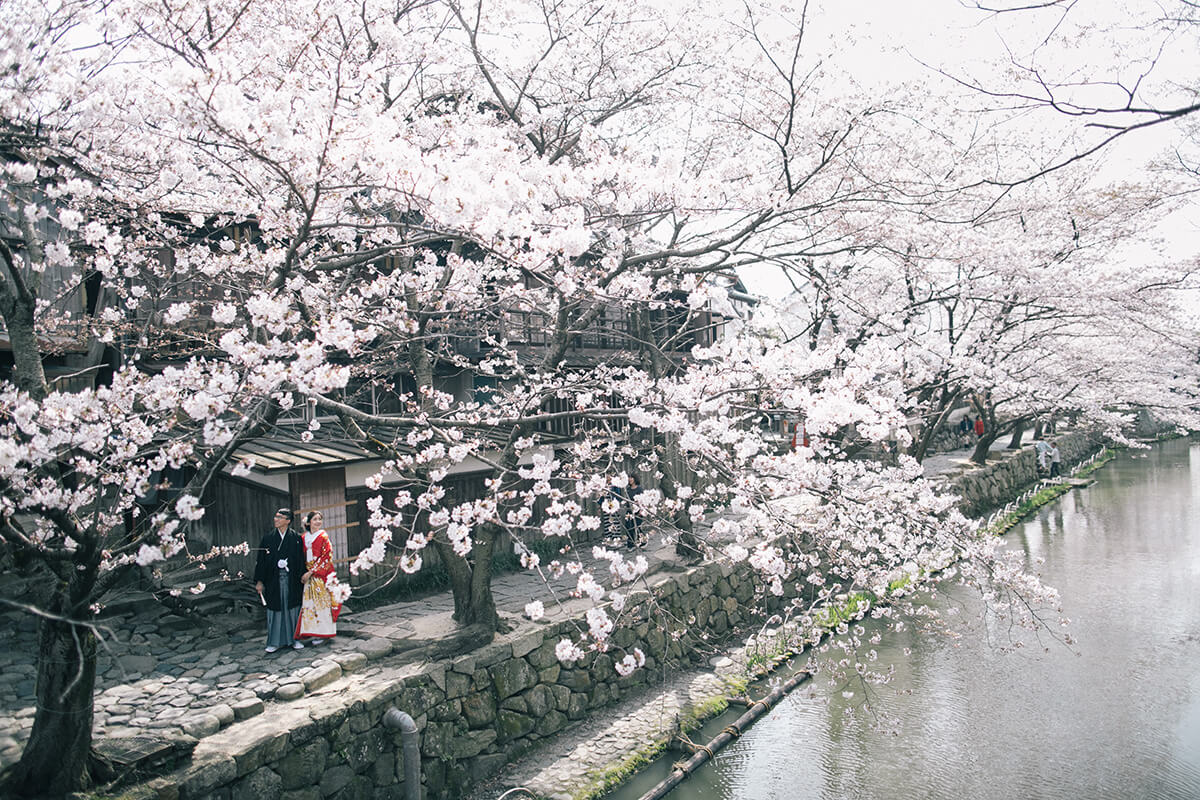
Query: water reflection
1116,716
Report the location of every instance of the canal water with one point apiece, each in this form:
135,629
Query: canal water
1115,715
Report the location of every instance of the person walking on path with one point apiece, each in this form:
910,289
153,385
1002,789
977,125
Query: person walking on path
319,610
277,577
1055,459
1043,456
633,520
979,426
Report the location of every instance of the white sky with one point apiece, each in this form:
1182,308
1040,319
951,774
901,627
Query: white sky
882,41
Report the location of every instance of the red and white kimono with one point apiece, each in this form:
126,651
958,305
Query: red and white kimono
318,611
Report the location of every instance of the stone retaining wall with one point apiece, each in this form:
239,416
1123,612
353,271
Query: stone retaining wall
475,713
482,710
984,488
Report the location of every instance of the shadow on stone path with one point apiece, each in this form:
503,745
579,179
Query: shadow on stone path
163,681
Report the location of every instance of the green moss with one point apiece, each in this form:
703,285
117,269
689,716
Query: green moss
606,780
1108,456
850,609
1047,495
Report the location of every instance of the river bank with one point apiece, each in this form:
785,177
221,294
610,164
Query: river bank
586,762
1107,708
308,726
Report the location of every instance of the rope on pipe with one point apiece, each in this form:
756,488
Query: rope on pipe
705,752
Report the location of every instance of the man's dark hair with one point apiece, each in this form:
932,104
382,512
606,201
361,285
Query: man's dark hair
285,512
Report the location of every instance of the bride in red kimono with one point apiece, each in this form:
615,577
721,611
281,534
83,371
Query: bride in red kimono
319,610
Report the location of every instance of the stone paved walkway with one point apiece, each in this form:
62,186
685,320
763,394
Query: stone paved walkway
160,675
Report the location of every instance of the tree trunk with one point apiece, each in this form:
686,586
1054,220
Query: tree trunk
481,610
982,446
1018,430
459,572
55,761
919,448
1038,430
471,583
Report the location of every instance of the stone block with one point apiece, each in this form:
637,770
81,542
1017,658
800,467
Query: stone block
515,703
656,642
457,684
204,778
549,674
602,668
562,696
512,676
543,656
552,722
262,784
492,654
444,712
512,725
350,662
304,766
163,789
601,696
526,644
485,766
339,740
437,675
435,778
335,779
223,712
375,648
383,771
259,742
322,676
664,587
577,706
437,739
473,743
358,788
245,709
289,691
202,725
465,665
417,700
328,716
479,709
538,700
363,749
577,680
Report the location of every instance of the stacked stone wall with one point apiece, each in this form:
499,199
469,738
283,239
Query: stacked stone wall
984,488
482,710
475,713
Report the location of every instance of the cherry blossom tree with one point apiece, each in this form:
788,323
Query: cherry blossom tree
204,227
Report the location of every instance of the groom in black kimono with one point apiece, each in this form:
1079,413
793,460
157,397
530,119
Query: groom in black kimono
277,578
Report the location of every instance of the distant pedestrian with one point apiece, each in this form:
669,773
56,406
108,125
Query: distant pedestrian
964,424
614,509
1055,460
633,520
1043,456
277,577
979,426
